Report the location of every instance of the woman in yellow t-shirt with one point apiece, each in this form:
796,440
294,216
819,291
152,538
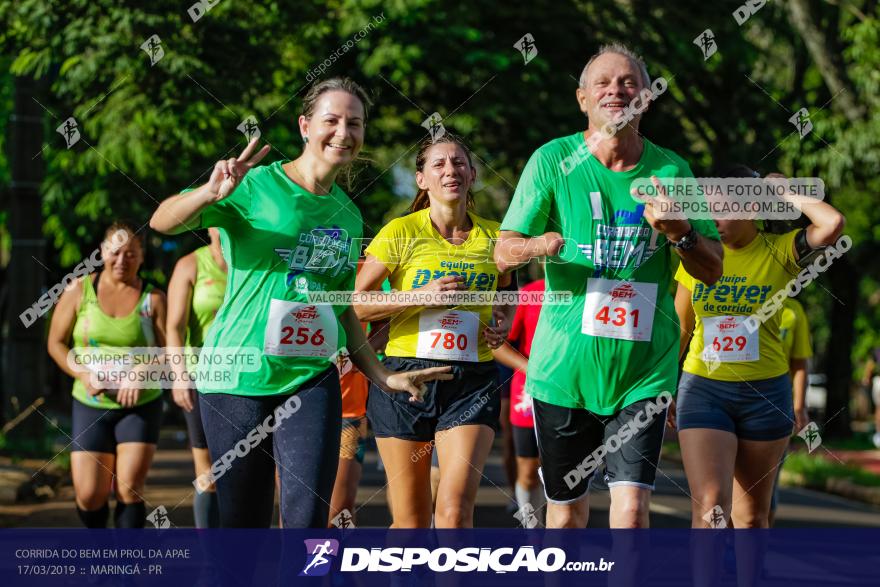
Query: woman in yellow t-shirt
441,249
734,404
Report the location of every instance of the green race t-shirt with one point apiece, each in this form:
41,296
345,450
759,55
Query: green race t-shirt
617,342
280,242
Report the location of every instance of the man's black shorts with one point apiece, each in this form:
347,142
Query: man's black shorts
575,443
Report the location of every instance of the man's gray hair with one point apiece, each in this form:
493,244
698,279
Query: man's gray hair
620,49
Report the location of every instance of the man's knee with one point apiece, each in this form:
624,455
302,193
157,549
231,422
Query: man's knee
632,516
631,510
712,501
750,520
567,516
93,499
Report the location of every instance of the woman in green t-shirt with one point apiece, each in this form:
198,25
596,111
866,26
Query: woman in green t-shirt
115,426
270,394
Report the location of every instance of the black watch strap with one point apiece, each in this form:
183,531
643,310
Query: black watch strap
687,242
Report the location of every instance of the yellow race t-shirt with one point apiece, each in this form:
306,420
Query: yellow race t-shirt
751,276
794,329
415,254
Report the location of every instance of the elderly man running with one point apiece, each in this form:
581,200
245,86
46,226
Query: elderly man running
602,388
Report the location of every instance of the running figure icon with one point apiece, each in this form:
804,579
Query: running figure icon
319,552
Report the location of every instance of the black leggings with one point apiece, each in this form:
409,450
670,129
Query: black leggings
305,445
194,426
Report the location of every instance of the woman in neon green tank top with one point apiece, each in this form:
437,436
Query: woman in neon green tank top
114,430
195,293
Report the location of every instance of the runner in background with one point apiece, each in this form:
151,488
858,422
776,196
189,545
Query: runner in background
794,330
522,332
441,249
353,440
115,431
195,293
871,380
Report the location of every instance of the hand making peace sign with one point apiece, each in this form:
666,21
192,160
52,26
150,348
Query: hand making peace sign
228,173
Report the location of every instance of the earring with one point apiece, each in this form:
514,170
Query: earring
305,139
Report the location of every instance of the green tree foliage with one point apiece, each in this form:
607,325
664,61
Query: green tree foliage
149,130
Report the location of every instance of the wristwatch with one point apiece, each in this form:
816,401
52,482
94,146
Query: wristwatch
687,242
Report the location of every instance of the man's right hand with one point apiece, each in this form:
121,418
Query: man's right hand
228,173
514,249
550,244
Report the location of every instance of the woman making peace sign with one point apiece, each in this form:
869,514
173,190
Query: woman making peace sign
286,230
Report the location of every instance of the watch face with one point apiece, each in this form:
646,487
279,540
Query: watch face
688,241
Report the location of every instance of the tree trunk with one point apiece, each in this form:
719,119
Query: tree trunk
838,363
843,279
24,376
844,97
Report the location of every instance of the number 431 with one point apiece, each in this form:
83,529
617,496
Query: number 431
604,317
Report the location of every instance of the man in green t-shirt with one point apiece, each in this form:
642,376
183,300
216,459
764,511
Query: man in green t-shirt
603,368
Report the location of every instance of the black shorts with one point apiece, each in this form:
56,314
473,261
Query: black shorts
194,425
574,443
525,443
100,430
471,397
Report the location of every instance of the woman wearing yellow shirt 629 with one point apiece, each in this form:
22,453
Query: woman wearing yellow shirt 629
734,404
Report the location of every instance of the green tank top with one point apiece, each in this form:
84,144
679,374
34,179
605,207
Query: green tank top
94,328
207,296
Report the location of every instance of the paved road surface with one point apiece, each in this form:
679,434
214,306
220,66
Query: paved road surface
170,481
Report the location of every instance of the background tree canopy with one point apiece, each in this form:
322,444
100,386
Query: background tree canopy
149,130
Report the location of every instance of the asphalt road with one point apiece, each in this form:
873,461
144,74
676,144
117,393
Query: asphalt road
170,485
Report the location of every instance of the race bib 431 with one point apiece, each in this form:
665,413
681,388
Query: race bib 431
619,309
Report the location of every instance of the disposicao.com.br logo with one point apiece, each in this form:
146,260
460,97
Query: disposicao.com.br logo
319,556
444,559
